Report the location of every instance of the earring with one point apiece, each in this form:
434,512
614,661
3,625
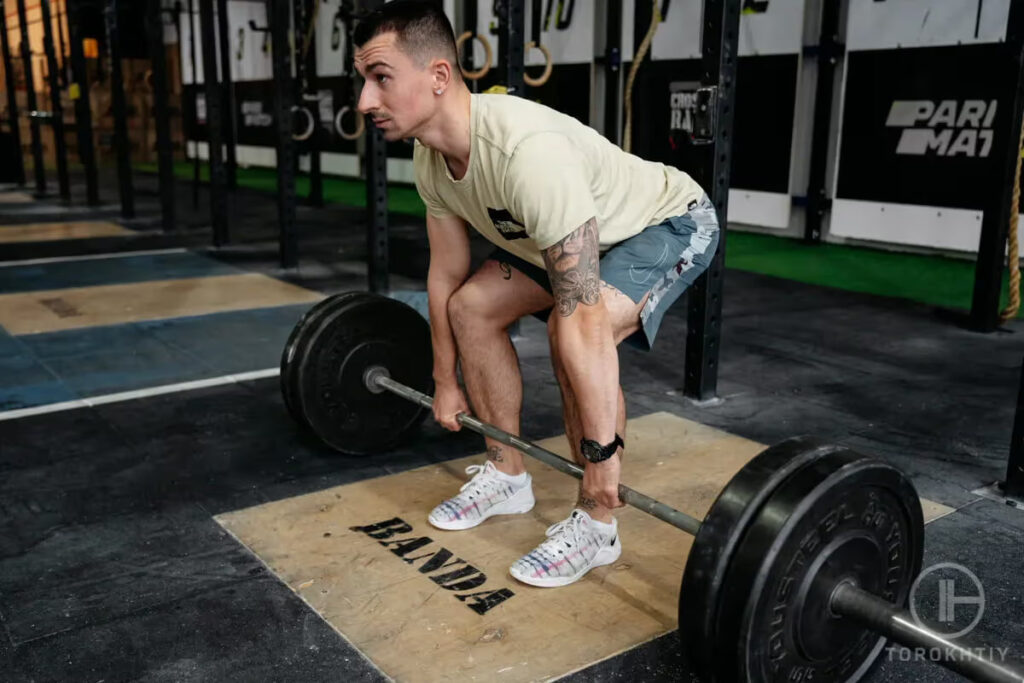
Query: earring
438,91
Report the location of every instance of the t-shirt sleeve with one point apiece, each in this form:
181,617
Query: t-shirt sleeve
547,187
421,163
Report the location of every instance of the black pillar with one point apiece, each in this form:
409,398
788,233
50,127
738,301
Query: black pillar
278,12
828,52
511,45
1014,484
377,255
164,150
80,96
12,99
640,133
122,145
195,98
298,64
228,88
990,265
311,83
719,48
30,93
62,47
214,120
56,107
377,209
470,21
612,71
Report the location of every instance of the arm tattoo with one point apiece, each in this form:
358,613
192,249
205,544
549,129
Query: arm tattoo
494,453
586,503
573,268
506,270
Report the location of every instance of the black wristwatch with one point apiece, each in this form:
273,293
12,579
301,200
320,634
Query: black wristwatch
595,452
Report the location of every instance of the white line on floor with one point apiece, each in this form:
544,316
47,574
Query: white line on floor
90,257
139,393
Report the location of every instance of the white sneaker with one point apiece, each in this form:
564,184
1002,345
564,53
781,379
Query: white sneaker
488,493
574,547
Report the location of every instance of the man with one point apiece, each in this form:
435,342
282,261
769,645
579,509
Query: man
599,240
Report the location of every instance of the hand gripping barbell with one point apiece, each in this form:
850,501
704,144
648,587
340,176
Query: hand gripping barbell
799,571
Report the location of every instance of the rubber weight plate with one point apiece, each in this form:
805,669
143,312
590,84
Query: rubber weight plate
704,587
298,337
369,330
846,517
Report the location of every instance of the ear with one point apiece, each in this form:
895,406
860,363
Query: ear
440,75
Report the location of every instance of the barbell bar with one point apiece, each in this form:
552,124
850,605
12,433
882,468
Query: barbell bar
377,379
846,600
799,570
900,626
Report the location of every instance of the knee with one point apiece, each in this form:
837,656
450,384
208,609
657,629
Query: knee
468,310
626,319
460,310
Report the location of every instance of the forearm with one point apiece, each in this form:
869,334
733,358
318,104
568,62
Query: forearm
439,289
587,350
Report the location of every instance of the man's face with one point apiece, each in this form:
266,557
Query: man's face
397,93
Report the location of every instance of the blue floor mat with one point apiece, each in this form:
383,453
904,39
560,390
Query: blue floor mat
24,381
109,271
47,368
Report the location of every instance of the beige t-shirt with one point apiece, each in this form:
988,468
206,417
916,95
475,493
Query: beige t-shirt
535,175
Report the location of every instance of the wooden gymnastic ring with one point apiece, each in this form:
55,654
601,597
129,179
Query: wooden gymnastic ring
488,54
548,67
360,124
310,124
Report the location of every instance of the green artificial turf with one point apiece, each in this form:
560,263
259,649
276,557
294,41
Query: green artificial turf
401,199
937,280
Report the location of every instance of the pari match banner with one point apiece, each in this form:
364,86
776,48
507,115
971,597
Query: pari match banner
924,135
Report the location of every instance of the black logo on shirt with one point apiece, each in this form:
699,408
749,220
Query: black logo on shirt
508,226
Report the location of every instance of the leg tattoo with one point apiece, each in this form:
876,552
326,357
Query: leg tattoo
587,504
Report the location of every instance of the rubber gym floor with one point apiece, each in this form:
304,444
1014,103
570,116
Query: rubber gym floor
156,497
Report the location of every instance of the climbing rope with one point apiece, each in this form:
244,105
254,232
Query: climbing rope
310,30
1011,310
627,135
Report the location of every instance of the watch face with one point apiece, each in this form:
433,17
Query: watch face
592,450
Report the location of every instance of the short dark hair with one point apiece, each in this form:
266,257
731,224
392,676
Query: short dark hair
421,27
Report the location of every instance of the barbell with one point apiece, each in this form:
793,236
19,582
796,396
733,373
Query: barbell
798,572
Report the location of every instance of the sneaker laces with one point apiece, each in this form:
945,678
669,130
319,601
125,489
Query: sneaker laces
484,478
561,532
